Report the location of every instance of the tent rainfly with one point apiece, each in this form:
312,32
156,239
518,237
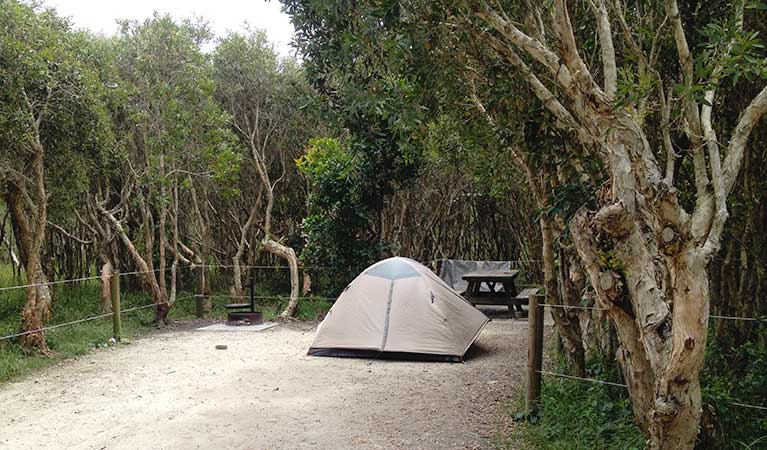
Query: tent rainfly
398,308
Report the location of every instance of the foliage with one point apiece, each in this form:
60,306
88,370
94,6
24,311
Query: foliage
265,97
172,119
373,103
45,76
582,415
337,227
577,415
735,375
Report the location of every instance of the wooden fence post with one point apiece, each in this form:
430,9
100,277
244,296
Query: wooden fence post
534,353
114,290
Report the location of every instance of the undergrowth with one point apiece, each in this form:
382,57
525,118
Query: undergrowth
576,415
735,374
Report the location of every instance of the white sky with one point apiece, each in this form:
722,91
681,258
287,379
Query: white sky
100,15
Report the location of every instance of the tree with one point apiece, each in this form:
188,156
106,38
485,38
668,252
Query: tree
264,94
173,132
50,115
645,220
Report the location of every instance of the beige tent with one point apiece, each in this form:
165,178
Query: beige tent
399,308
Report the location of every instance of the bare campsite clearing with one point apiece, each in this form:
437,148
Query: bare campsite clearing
175,390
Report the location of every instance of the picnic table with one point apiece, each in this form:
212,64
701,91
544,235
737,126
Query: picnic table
501,289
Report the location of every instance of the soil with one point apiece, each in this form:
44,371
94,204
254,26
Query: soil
175,391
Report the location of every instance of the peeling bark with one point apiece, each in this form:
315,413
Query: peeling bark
161,308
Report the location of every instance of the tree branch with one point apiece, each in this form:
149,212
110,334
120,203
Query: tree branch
571,57
565,119
609,67
691,107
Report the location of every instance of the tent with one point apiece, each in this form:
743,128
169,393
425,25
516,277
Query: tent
398,308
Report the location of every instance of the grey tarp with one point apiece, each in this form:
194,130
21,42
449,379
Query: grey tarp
398,308
452,270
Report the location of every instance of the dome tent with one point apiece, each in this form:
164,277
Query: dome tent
399,308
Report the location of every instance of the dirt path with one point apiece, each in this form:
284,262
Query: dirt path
175,391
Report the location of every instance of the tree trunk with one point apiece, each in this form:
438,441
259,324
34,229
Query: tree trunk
106,290
162,312
29,225
566,323
174,248
35,313
289,255
306,285
11,254
147,275
241,244
205,304
651,276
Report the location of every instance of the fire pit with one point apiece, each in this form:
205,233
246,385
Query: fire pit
243,317
245,313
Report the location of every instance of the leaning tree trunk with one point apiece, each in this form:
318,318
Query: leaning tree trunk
289,255
144,268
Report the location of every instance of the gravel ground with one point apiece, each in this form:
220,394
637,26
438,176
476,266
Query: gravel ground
174,391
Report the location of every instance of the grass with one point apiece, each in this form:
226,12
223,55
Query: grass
579,416
576,415
77,301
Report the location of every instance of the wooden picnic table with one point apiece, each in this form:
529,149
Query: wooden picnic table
501,289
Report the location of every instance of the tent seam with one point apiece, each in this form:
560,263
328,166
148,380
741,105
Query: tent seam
388,315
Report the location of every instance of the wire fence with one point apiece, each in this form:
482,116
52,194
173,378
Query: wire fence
621,385
196,266
78,280
278,297
597,308
262,266
265,297
88,319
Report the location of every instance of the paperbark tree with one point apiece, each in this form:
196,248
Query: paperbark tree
172,132
262,94
656,291
50,112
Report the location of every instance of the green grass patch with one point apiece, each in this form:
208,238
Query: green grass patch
577,415
77,301
70,303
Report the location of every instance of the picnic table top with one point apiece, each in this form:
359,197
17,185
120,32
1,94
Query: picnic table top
491,275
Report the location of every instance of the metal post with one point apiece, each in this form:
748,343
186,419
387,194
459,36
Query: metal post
534,353
114,290
252,289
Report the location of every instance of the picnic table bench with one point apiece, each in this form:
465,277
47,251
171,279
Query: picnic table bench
501,289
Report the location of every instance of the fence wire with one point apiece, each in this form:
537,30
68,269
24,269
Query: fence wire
76,280
597,308
264,297
609,383
88,319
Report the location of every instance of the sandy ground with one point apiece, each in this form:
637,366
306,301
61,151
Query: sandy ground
175,391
